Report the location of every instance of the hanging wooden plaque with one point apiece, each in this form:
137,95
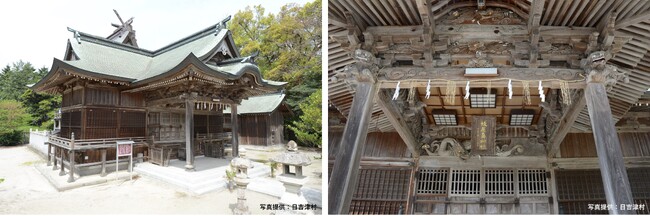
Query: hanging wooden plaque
484,132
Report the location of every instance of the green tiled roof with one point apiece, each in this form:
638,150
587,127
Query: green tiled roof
259,104
103,58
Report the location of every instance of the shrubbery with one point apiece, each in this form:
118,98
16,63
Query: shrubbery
11,138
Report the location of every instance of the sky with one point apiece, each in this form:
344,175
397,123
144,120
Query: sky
36,30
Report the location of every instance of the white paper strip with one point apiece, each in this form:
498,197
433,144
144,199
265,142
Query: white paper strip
396,92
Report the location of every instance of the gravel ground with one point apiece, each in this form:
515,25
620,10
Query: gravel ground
25,191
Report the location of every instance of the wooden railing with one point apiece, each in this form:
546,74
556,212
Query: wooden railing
83,144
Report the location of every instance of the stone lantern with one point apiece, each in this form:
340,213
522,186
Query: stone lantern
241,166
292,181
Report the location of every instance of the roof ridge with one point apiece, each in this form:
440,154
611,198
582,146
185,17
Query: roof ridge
188,39
110,43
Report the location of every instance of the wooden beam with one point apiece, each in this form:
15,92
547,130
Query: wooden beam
397,121
346,169
479,162
428,24
566,123
633,20
608,146
419,76
533,30
592,163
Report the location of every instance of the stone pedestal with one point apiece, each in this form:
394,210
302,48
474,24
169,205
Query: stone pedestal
241,166
292,181
242,207
292,184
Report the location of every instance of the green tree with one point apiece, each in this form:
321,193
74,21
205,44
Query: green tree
14,79
42,107
13,116
289,44
308,129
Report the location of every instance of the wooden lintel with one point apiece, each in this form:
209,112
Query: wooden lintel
419,76
565,125
592,163
178,100
397,121
491,162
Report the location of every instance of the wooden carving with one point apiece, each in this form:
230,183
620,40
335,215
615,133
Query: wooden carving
490,16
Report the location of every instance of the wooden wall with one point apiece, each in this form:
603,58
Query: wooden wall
95,112
582,145
377,145
576,189
261,129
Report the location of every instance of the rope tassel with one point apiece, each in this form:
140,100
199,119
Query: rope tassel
526,92
566,92
450,96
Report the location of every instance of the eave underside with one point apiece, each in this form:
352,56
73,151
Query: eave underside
631,21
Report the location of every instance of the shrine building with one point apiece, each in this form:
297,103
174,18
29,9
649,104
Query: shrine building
168,102
489,107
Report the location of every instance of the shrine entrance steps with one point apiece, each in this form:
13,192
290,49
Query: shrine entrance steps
209,174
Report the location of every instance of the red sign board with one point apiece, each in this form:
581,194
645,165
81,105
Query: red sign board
124,148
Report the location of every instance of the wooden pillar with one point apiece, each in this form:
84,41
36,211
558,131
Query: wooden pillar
189,130
49,154
234,125
54,159
346,167
410,198
62,172
608,147
103,152
71,159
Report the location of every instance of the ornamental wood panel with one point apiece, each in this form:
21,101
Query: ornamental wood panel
388,144
577,145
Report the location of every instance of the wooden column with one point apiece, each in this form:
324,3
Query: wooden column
610,156
103,152
71,159
346,167
234,125
410,198
62,172
189,130
608,147
54,159
49,154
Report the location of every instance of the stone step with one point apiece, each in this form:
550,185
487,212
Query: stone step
199,182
